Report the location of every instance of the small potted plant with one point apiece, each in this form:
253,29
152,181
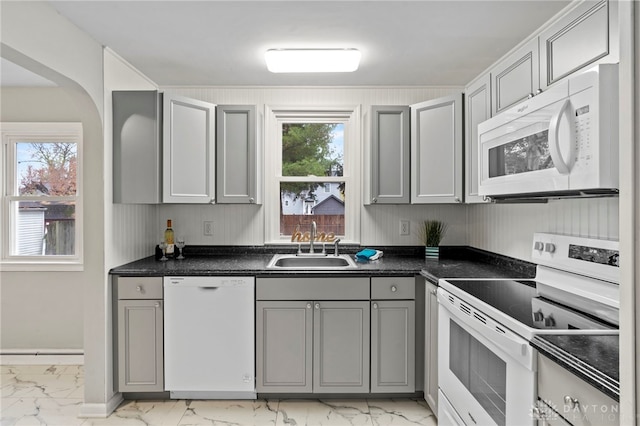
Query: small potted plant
431,233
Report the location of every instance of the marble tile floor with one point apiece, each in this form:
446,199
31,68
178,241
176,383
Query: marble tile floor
52,395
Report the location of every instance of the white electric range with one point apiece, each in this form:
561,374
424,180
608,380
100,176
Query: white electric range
486,367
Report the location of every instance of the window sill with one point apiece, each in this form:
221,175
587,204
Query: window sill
40,266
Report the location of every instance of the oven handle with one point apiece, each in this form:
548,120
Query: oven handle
512,345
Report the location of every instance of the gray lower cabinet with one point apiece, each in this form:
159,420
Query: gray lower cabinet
341,347
393,335
139,330
284,346
393,346
431,346
312,347
313,334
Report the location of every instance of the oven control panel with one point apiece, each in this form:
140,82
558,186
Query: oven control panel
586,256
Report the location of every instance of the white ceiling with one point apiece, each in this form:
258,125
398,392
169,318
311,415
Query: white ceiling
223,42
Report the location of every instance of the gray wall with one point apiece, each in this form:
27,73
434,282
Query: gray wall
40,310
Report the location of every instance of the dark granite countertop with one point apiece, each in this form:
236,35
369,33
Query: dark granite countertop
593,358
454,262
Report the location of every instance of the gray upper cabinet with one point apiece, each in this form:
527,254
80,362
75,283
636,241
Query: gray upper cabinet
137,145
436,151
583,36
189,151
477,110
341,347
236,146
284,346
390,144
516,77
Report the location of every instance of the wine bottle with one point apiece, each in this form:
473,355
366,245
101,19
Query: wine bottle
168,238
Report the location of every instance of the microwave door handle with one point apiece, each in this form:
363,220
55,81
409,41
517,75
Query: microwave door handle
561,165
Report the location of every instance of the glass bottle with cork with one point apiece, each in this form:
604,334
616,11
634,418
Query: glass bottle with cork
169,239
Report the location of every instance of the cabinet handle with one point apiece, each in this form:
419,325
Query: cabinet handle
252,200
139,289
375,306
308,305
434,292
394,289
538,91
157,305
457,199
317,306
531,95
375,200
570,401
213,201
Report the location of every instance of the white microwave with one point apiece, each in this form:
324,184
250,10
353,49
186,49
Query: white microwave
562,142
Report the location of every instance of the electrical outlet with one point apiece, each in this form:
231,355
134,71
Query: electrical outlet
404,227
208,228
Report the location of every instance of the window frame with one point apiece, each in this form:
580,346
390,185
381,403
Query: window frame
16,132
275,117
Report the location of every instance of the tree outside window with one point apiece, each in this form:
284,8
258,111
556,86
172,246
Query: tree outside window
314,151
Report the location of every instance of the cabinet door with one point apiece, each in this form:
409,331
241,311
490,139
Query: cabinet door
284,346
236,154
478,109
576,40
137,127
390,154
341,347
516,77
189,151
436,151
431,346
140,346
393,346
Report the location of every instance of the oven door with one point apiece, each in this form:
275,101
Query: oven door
486,372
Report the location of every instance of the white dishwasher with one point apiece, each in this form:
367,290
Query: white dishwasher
209,348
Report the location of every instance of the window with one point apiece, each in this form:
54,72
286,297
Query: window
312,176
42,197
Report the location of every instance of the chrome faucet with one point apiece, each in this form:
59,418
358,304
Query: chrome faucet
335,247
312,237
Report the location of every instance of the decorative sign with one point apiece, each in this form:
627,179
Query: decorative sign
299,237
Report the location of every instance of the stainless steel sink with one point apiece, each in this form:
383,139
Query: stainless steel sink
317,262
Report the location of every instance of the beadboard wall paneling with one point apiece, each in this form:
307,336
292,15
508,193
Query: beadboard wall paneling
244,224
508,228
380,224
134,229
129,229
233,224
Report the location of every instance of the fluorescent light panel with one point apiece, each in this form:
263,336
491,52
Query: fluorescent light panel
312,60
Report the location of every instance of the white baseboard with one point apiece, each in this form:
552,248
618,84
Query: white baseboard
100,411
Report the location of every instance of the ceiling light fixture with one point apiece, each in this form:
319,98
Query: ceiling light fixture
312,60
